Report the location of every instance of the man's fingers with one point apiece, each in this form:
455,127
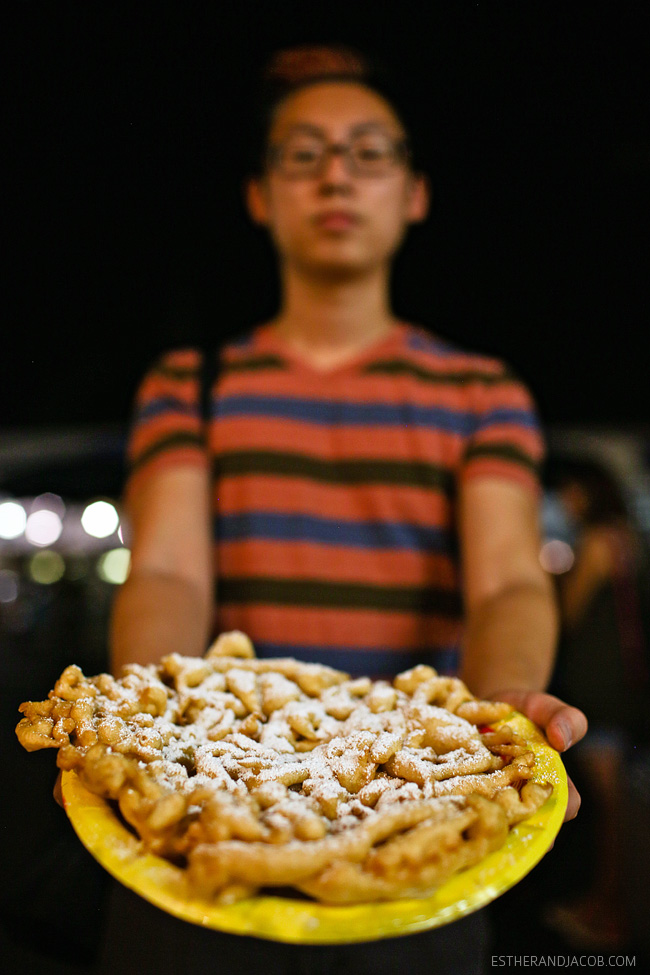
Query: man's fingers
563,725
573,804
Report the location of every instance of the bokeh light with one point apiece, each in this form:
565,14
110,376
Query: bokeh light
13,519
100,519
556,556
113,566
46,567
49,502
43,527
8,586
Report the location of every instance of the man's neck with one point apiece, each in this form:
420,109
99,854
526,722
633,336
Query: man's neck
328,322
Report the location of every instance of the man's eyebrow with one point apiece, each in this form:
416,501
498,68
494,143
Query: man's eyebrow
306,127
359,128
370,126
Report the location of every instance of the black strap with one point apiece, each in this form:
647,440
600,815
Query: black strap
209,373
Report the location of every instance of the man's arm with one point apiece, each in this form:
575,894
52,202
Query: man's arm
165,605
511,614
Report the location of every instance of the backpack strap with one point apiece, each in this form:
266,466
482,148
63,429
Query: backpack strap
209,372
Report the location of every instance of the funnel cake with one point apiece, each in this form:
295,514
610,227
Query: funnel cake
254,774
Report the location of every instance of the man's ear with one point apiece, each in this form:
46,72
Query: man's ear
419,198
256,200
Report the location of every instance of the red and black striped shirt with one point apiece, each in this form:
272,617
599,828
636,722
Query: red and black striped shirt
334,492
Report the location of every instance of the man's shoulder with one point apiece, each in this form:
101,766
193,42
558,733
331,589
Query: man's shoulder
429,351
184,361
175,363
242,341
250,344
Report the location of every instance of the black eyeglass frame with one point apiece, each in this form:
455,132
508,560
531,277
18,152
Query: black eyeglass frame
401,154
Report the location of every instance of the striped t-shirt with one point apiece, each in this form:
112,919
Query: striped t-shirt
334,492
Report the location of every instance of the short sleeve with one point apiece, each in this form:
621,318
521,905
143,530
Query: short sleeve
167,427
506,439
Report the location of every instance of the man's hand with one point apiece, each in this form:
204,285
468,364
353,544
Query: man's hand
511,631
562,724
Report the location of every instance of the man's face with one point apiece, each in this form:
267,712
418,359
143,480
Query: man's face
337,223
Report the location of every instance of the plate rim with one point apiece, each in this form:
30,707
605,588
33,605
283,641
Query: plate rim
298,921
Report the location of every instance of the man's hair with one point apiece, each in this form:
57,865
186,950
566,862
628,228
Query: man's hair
291,69
296,66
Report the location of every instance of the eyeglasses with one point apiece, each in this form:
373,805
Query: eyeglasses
303,156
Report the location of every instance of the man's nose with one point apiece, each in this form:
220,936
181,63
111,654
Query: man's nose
335,169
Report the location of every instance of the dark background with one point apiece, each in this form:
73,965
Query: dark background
125,227
124,130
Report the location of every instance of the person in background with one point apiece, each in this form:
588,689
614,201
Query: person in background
603,665
362,493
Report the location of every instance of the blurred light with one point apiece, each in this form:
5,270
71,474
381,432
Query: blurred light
113,566
13,519
556,522
43,527
49,502
100,519
556,556
8,586
46,567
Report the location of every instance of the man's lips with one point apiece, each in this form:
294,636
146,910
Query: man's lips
336,220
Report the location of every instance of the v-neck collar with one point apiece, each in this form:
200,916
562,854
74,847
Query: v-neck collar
266,339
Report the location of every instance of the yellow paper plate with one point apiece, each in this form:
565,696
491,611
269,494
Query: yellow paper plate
303,921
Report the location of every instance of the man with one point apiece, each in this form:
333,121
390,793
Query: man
373,486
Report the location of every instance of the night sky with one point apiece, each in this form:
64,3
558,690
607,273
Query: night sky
125,132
